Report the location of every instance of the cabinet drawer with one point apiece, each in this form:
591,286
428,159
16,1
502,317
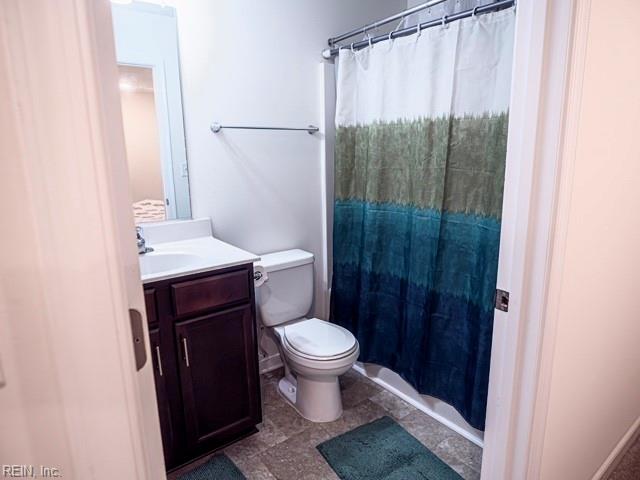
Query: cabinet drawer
212,292
150,305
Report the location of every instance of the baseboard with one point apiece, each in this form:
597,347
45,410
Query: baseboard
618,452
270,363
423,408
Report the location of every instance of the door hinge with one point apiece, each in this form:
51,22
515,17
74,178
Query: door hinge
502,300
3,381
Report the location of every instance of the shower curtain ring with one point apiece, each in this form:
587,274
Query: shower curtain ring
444,21
352,49
475,11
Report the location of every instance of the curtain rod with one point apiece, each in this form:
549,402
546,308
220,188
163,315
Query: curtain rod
332,52
374,25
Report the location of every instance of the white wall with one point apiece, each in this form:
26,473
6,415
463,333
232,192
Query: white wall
594,391
251,62
445,8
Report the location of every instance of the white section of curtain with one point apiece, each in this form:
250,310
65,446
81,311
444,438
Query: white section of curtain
462,68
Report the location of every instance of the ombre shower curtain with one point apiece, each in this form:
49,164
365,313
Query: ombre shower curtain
420,157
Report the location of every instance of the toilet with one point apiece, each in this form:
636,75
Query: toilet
314,352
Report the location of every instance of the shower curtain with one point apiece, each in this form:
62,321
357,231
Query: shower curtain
420,157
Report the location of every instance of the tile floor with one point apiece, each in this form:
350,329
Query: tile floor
284,448
629,466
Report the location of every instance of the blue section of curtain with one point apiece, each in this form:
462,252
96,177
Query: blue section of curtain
416,289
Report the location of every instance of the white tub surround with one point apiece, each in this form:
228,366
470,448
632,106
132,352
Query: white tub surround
184,248
437,409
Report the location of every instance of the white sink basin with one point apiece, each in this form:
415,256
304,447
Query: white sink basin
186,257
159,262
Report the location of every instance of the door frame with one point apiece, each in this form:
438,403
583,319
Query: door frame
542,61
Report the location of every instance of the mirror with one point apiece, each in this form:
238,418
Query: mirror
151,102
142,143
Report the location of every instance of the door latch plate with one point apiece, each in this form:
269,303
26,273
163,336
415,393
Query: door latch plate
502,300
137,332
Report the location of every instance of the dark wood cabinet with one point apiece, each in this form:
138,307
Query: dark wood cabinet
217,382
161,393
204,348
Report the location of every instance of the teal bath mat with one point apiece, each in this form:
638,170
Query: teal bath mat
383,450
219,467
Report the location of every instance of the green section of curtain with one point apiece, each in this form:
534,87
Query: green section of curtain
449,163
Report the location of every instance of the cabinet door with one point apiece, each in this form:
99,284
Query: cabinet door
150,306
159,372
219,376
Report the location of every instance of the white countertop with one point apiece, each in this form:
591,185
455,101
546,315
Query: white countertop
194,255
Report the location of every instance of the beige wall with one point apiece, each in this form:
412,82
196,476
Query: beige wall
594,395
143,145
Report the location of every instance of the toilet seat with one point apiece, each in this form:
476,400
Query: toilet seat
317,340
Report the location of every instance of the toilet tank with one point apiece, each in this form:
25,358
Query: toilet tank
288,292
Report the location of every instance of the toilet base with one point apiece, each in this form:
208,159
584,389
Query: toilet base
288,390
317,399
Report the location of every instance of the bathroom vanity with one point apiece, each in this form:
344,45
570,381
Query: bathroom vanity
203,346
198,290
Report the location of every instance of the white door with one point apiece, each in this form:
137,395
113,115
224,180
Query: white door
71,398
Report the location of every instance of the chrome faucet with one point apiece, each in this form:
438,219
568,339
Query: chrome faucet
142,244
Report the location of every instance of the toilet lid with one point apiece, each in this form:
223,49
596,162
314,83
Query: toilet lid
318,338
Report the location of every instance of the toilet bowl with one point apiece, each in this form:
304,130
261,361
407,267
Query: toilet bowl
314,352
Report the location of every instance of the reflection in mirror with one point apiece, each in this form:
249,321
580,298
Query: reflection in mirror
151,102
142,143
